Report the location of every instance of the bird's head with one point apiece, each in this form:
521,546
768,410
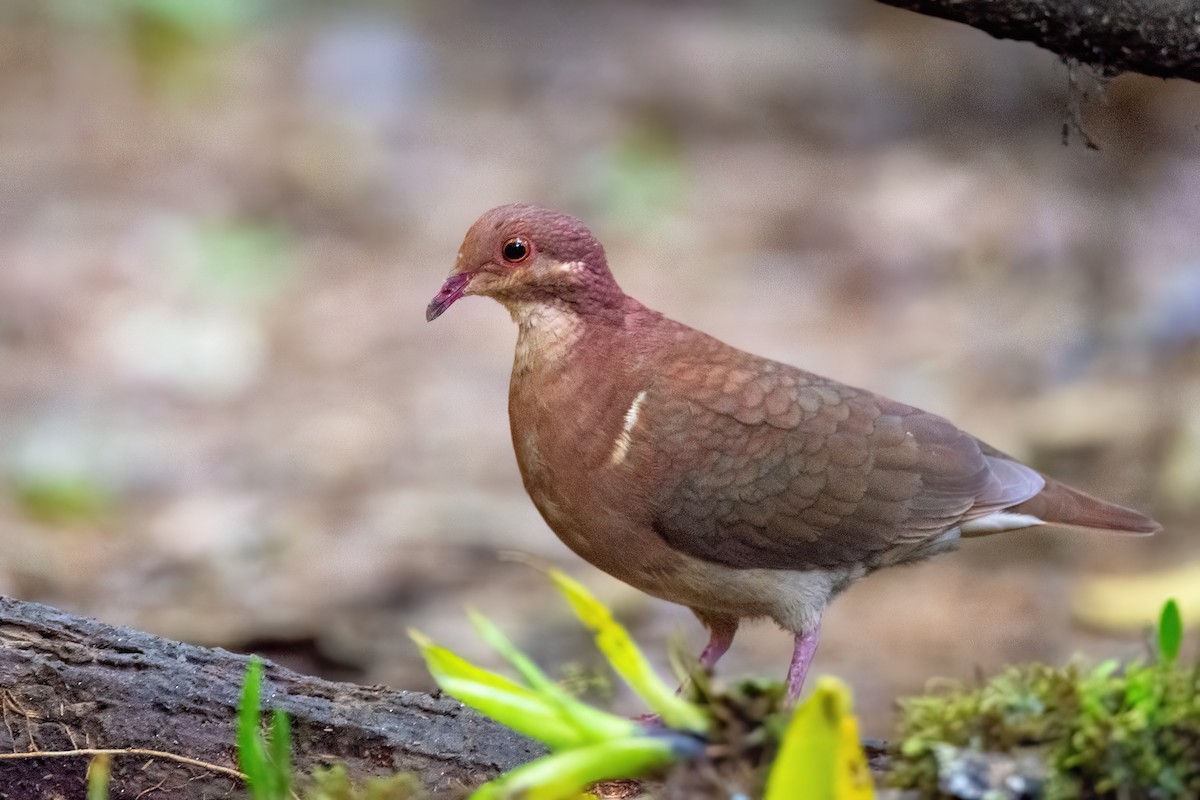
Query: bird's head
521,254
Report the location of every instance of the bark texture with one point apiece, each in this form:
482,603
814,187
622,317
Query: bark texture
68,682
1153,37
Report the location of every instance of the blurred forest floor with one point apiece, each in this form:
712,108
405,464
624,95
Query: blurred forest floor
224,419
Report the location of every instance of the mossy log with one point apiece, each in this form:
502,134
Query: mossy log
70,683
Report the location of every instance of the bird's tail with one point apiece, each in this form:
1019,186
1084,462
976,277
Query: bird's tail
1061,506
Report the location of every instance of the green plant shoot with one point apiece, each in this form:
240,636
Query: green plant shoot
512,705
820,756
266,762
597,723
591,744
1170,632
99,769
565,775
623,654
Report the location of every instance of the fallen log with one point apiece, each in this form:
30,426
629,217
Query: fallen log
69,683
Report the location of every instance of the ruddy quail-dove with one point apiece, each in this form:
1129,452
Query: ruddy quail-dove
708,476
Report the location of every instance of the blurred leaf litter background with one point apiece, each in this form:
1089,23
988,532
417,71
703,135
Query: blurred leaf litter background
224,419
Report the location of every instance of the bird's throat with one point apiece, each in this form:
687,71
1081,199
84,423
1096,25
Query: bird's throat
548,332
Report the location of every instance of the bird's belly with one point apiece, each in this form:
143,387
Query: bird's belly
793,599
635,555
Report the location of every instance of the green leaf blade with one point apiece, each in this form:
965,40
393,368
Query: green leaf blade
99,771
252,755
565,775
495,696
1170,632
595,724
627,659
281,752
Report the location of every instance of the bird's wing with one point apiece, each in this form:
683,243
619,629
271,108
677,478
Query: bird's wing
764,465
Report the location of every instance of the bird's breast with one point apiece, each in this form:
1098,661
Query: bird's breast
577,432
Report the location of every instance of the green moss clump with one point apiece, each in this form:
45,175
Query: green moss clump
1107,733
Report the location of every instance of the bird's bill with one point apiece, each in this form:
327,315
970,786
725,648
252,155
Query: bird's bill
451,290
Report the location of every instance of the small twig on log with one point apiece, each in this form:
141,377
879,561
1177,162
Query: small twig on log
126,751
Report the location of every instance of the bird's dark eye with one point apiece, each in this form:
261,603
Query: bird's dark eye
516,250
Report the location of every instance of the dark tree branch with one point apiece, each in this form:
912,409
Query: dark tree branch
1154,37
67,682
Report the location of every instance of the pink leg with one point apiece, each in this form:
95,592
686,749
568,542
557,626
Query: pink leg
802,656
720,637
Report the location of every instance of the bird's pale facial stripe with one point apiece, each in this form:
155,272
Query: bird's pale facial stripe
625,437
570,266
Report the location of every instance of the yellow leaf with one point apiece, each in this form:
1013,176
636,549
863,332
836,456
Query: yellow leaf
821,757
564,776
495,696
627,659
597,725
